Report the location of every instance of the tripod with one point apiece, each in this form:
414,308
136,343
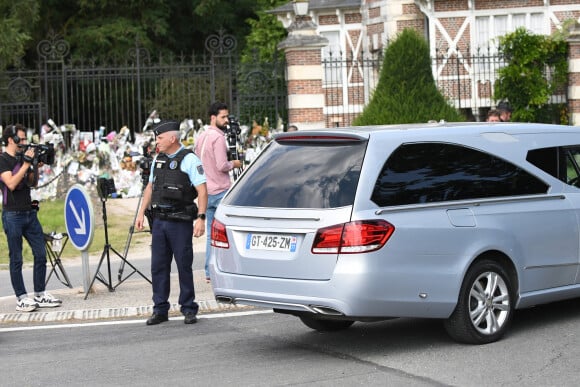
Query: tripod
145,165
106,254
128,244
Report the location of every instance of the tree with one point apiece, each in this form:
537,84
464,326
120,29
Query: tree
101,29
537,68
406,92
265,34
18,19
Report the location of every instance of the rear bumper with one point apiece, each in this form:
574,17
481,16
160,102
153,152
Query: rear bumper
357,295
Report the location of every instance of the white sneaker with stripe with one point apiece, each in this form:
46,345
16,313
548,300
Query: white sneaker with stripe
47,300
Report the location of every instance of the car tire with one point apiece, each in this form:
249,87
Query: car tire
485,306
324,325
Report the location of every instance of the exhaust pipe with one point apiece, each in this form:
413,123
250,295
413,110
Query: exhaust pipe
224,299
326,310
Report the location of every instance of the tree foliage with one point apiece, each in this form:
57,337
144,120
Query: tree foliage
18,19
101,29
406,91
266,32
537,68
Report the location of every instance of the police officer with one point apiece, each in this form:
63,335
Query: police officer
176,179
505,111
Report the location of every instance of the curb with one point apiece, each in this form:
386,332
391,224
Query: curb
205,307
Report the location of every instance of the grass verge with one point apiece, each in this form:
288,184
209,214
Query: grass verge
51,216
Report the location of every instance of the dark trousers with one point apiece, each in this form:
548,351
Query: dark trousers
18,225
172,240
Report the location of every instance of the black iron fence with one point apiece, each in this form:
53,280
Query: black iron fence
91,95
348,85
467,81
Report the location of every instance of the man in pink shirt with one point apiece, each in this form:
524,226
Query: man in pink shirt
211,147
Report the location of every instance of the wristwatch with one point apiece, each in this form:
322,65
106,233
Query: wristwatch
201,216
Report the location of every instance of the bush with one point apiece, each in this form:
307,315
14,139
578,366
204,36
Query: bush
406,92
537,69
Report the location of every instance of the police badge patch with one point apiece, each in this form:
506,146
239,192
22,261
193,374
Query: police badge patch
173,164
200,169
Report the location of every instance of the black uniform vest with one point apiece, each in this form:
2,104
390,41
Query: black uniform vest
172,190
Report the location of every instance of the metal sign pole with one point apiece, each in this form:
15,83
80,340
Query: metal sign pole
86,270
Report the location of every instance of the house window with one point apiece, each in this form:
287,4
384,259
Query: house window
490,28
332,58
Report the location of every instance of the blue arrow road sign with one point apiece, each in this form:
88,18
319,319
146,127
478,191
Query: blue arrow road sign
79,217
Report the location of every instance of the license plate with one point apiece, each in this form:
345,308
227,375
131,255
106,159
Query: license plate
274,242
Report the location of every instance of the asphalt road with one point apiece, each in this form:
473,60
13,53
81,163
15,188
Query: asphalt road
542,349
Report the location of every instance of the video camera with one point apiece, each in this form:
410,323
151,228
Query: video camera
43,153
145,165
233,132
105,187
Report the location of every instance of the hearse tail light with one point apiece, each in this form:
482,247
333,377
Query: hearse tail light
219,237
354,237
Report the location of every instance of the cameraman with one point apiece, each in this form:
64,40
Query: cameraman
175,180
212,149
19,219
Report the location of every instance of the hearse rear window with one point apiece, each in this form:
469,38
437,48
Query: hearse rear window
302,174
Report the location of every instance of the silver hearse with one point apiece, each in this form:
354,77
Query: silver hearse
460,222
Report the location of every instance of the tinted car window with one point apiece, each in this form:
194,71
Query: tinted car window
434,172
548,160
301,175
561,162
573,167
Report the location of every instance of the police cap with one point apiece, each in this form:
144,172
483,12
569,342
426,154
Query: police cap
166,126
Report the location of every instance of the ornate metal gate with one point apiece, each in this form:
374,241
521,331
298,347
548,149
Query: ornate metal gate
90,95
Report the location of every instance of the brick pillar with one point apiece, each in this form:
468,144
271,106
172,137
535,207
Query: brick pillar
574,74
304,74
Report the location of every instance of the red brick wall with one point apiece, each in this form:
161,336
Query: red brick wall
484,89
374,12
356,76
333,96
494,4
411,9
574,51
303,57
304,86
377,28
456,88
305,115
352,18
356,95
418,25
326,20
452,26
574,105
456,5
354,37
574,79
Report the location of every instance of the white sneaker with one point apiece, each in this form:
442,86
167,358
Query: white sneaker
26,305
47,300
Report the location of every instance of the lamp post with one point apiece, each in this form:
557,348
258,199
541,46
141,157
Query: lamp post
300,7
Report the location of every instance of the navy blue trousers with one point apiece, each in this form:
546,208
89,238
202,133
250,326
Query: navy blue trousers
172,240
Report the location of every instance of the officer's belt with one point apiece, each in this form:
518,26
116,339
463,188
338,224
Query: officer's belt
166,209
